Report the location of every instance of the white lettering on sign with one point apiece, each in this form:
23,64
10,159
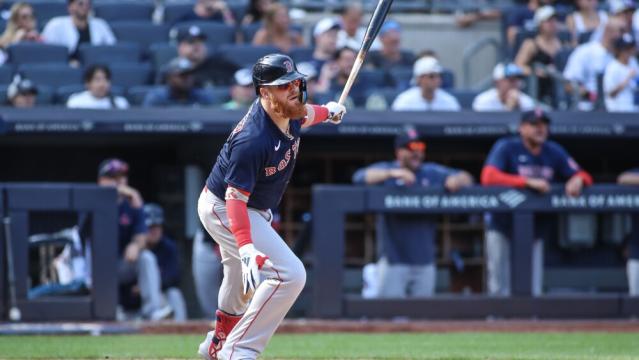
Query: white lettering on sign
441,201
595,201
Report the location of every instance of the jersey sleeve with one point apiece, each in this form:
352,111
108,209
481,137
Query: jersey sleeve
246,161
139,226
498,156
566,165
359,178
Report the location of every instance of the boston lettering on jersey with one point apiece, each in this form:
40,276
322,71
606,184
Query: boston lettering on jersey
258,158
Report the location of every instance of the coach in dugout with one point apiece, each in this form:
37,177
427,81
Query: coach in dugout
531,161
631,177
406,242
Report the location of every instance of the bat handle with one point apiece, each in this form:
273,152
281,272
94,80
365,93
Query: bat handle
351,77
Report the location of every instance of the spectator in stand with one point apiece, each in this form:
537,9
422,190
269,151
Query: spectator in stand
97,81
22,93
209,10
255,11
208,70
521,18
624,11
353,32
78,28
589,60
166,253
631,178
531,161
406,243
334,75
180,87
587,19
426,95
276,30
391,54
21,26
621,76
138,271
536,56
507,94
325,34
309,70
242,92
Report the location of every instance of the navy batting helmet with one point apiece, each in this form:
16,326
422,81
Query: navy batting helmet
153,214
277,69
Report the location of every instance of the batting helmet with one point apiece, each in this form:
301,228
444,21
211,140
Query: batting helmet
277,69
153,214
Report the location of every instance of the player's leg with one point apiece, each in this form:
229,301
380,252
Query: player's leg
538,267
497,263
150,283
273,298
423,284
207,273
392,279
176,301
632,266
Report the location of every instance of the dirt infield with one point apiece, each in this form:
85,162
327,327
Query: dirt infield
380,326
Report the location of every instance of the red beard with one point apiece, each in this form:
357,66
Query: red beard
285,110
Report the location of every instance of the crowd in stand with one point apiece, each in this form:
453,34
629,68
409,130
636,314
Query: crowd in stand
577,54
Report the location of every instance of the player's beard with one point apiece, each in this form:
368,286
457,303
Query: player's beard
286,110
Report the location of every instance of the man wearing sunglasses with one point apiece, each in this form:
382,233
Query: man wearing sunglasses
406,242
262,276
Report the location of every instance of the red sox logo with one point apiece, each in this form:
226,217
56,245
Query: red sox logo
271,170
288,65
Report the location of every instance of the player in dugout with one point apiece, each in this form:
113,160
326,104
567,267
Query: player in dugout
530,161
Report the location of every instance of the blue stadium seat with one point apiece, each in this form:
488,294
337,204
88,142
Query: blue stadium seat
63,93
238,10
124,11
221,94
131,74
245,55
172,12
249,31
45,10
29,53
6,74
448,79
300,54
162,53
141,33
401,77
137,94
373,78
216,33
54,75
109,54
465,97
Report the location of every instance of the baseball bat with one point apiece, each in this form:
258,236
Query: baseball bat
14,311
376,22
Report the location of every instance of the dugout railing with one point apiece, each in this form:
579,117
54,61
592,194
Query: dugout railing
332,203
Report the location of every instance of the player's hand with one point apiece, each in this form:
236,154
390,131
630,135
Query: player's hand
574,186
335,112
131,252
132,195
539,185
403,174
252,262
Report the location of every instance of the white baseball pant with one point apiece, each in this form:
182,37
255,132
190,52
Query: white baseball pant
400,280
281,283
632,271
498,269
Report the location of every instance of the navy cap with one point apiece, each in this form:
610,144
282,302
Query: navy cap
153,214
179,65
21,86
625,41
408,135
113,167
534,116
190,33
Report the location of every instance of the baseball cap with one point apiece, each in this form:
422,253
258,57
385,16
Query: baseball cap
243,77
508,70
409,138
190,33
544,13
153,214
21,86
307,69
619,6
179,65
625,41
534,116
390,25
113,167
325,25
426,65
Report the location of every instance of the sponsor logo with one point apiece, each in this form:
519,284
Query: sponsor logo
288,65
277,147
512,198
441,201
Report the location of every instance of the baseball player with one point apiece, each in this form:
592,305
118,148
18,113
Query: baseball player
531,161
262,276
631,177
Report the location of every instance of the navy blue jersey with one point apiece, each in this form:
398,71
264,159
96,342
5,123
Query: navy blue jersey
258,158
509,155
130,223
407,238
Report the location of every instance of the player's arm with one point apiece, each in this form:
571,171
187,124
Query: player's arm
331,112
458,180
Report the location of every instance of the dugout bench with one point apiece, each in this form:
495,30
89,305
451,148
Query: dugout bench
20,203
332,203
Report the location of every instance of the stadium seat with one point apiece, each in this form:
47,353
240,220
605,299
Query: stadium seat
54,75
245,55
131,74
172,12
6,74
29,52
63,93
238,10
137,94
300,54
109,54
401,77
142,33
161,54
124,11
448,79
221,94
248,31
465,97
373,78
216,33
45,10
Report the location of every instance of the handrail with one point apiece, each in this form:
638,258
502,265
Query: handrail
472,50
